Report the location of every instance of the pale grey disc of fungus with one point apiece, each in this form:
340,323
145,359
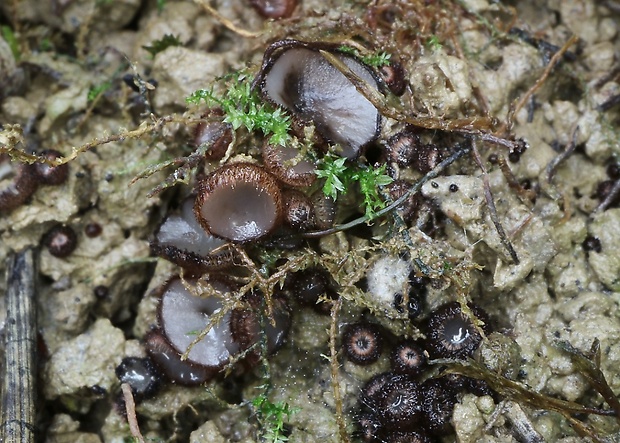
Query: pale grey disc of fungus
301,80
183,315
182,240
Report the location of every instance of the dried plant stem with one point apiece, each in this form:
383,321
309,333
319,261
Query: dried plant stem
19,378
527,195
491,205
613,193
226,22
335,367
130,407
461,150
516,107
14,137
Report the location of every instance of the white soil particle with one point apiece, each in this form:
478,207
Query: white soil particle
387,277
86,361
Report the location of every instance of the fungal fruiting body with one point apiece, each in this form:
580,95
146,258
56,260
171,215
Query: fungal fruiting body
51,175
362,343
239,202
408,358
60,240
451,333
182,240
19,181
274,9
185,312
141,375
288,165
300,79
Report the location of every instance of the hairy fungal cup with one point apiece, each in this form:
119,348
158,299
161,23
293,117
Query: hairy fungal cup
298,77
239,202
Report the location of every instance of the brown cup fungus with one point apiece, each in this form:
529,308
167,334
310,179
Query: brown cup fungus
296,76
239,202
288,165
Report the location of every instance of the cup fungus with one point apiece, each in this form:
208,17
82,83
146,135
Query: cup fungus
183,241
239,202
182,316
296,76
51,175
288,165
451,333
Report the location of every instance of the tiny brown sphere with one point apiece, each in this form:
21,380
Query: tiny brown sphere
402,148
216,134
362,343
400,404
309,285
93,230
408,358
17,183
60,241
288,165
239,202
409,208
298,212
324,209
51,175
274,8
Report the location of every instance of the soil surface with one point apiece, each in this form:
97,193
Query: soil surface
520,99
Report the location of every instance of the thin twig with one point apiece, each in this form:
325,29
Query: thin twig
226,22
130,407
613,193
516,107
333,359
526,195
555,162
461,150
491,205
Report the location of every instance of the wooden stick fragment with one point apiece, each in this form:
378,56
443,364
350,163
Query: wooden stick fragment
19,378
130,408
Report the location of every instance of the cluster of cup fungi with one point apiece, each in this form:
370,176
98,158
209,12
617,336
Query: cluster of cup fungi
271,202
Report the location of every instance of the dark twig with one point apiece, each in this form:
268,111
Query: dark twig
516,107
19,378
491,205
461,150
553,164
609,199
